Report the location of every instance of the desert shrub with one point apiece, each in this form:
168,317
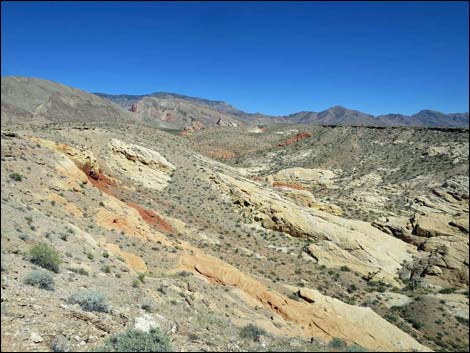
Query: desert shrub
45,256
40,279
462,320
79,270
253,332
16,177
89,300
345,269
141,277
337,343
60,344
148,304
447,290
136,283
137,341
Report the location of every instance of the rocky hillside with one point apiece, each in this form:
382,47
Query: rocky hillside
37,101
122,236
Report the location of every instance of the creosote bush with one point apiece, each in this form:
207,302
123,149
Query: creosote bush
137,341
16,177
89,300
253,332
40,279
45,256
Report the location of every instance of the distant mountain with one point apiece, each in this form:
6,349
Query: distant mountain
169,110
336,115
36,100
163,103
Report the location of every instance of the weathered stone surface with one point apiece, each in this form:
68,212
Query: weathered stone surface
323,318
337,241
438,224
304,176
139,164
391,299
306,199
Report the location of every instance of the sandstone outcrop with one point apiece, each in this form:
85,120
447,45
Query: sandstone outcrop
296,138
443,242
306,199
139,164
336,241
191,128
222,123
303,176
323,317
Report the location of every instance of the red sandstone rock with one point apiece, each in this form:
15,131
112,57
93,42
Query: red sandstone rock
294,139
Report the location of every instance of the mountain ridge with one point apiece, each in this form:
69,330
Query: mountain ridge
177,111
335,115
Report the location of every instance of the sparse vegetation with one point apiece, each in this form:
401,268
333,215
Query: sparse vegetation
252,332
16,177
137,341
45,256
41,279
89,300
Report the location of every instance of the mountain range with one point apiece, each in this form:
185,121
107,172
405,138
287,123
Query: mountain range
51,101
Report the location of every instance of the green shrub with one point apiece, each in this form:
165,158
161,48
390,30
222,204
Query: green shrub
45,256
345,269
462,320
253,332
40,279
16,177
447,290
337,343
89,300
141,277
137,341
79,270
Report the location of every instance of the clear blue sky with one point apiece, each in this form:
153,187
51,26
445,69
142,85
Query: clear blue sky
277,58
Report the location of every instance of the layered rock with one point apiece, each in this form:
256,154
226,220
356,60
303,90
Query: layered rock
443,241
306,199
303,176
321,317
139,164
336,241
296,138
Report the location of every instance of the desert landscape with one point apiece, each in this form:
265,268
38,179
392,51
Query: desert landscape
167,222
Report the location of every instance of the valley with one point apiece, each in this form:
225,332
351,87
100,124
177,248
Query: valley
237,237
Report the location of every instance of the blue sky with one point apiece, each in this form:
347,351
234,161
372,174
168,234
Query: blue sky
270,57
